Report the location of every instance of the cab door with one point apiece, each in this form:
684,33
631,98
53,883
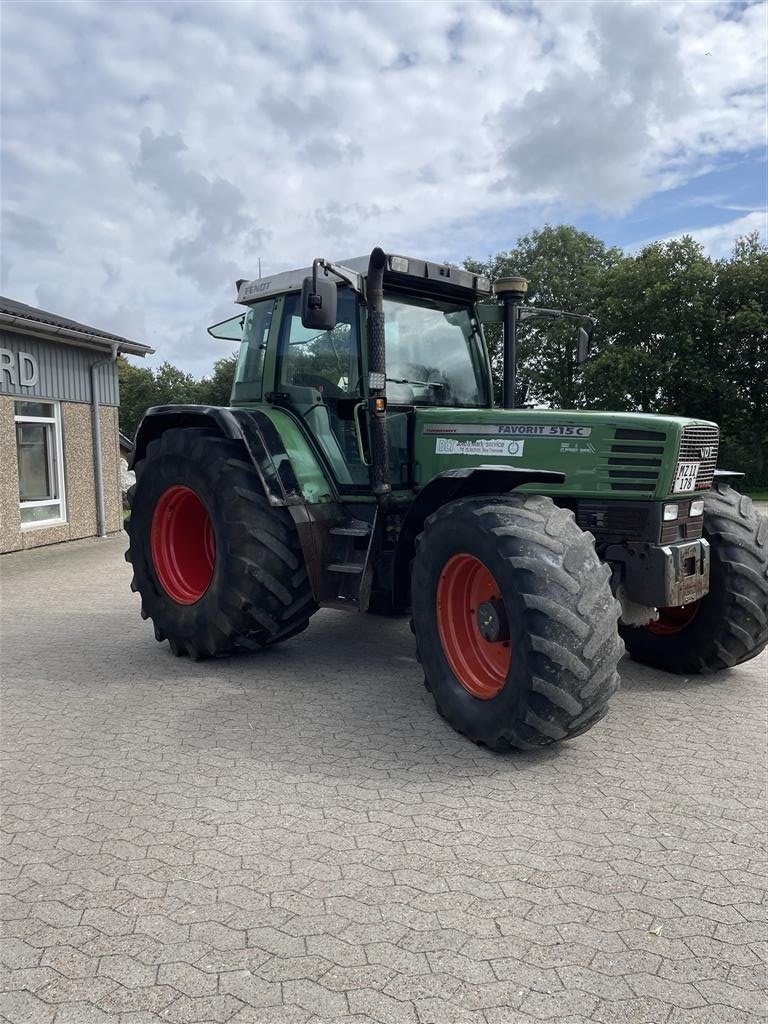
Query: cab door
320,375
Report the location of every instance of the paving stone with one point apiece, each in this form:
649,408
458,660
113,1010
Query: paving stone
16,953
558,1004
441,1011
631,1011
179,854
423,986
381,1007
127,971
84,1013
293,968
30,979
249,988
672,992
25,1008
77,990
285,1014
722,993
187,979
717,1014
311,996
204,1009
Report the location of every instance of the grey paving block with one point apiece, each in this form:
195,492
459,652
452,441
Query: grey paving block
294,836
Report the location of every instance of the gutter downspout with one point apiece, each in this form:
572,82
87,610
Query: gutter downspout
98,470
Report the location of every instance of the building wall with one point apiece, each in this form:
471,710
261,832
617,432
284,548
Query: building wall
79,478
58,370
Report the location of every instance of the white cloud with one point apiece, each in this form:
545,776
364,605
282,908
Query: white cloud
718,240
154,152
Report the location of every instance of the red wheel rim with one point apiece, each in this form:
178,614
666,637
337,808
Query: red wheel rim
466,587
674,620
183,545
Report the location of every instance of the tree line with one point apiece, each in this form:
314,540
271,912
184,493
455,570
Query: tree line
141,387
677,333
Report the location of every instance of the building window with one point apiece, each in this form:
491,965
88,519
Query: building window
41,470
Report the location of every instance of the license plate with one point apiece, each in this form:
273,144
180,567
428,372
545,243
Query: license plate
685,478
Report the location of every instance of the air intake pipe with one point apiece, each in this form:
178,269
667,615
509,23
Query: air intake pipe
377,373
511,291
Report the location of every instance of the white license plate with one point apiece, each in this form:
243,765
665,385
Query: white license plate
685,479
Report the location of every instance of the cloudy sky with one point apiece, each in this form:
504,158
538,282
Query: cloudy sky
153,152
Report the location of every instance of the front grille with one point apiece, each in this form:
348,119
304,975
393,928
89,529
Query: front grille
699,444
614,520
634,460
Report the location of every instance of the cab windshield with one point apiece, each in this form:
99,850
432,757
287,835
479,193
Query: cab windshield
433,354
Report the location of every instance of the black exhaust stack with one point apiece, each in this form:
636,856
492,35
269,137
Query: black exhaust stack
377,373
511,291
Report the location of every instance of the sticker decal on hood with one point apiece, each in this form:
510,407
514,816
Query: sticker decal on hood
496,446
507,429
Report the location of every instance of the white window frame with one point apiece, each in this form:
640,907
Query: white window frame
58,463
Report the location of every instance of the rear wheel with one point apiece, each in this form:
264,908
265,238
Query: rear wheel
729,625
515,621
218,569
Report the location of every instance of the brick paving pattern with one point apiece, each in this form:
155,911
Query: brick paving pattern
297,837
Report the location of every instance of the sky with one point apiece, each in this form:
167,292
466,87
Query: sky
153,153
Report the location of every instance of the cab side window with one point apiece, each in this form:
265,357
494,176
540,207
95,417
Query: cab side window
328,361
319,372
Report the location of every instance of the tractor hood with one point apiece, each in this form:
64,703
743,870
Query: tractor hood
621,455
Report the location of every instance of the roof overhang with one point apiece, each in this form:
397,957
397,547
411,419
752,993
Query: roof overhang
69,336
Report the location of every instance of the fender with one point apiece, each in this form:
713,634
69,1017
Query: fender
448,486
255,430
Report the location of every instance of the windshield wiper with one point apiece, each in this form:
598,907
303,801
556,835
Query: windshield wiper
420,383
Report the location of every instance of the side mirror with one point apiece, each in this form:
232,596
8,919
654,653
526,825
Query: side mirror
585,343
318,303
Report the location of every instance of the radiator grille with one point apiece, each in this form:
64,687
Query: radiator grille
634,460
699,444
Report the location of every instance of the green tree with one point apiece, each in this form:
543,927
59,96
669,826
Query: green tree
563,267
137,390
174,387
216,389
657,341
741,305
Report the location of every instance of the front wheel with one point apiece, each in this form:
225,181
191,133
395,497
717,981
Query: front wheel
729,625
515,621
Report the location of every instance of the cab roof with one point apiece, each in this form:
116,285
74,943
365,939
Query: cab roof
401,272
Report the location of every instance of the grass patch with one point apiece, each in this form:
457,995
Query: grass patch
758,495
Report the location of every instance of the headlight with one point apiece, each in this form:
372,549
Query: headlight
697,508
670,513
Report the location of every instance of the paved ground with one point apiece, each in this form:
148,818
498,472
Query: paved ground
296,836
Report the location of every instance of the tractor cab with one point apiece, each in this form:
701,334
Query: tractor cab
321,372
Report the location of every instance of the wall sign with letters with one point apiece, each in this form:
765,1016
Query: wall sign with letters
18,368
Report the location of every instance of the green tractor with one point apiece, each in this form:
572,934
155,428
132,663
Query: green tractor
363,465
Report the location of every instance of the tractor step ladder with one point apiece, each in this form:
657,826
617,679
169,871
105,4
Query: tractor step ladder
349,551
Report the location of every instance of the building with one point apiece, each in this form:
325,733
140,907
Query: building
58,412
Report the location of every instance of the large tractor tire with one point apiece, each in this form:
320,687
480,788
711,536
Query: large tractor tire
218,569
730,624
515,621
